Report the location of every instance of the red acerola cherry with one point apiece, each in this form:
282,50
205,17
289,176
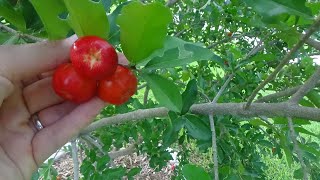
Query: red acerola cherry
93,57
118,88
72,86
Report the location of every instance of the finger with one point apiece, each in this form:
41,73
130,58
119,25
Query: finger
122,59
50,115
28,81
40,95
49,139
28,60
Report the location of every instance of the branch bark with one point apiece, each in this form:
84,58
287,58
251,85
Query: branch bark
297,149
284,61
308,86
27,36
75,160
213,129
235,109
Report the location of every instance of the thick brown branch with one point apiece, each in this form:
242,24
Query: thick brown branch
235,109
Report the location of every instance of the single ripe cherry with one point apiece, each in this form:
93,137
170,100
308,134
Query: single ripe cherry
93,57
118,88
72,86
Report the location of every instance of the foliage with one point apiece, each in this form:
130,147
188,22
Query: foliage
184,54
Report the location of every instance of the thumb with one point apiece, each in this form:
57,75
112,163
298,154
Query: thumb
6,88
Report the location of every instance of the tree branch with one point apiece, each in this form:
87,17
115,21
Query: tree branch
213,129
27,36
297,149
75,160
171,2
308,86
227,39
284,61
235,109
284,93
145,96
94,143
314,43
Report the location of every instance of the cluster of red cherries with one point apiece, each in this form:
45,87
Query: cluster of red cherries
94,71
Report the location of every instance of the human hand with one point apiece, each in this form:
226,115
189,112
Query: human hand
25,89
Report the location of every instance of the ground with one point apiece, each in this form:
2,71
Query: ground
64,166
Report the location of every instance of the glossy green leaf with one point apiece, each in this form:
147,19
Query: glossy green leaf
143,29
134,171
314,97
284,145
193,172
280,8
56,27
102,162
177,52
189,96
12,15
114,35
165,91
87,17
310,149
169,136
196,128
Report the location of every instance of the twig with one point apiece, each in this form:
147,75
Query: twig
171,2
308,86
27,36
227,39
314,43
75,160
142,86
94,143
213,130
122,152
284,61
205,5
145,97
297,149
284,93
215,99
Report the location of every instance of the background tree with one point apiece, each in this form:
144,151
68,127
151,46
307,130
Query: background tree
236,78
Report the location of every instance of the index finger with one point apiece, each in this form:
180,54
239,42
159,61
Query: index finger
28,60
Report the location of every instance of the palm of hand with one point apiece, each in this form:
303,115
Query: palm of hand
25,92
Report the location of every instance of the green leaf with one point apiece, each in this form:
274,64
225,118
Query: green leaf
165,91
266,143
189,96
286,149
143,29
102,162
56,27
133,171
280,8
12,14
114,35
196,128
314,97
193,172
310,149
169,136
177,52
87,17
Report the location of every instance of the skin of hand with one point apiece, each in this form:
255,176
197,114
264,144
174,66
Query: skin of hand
25,89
